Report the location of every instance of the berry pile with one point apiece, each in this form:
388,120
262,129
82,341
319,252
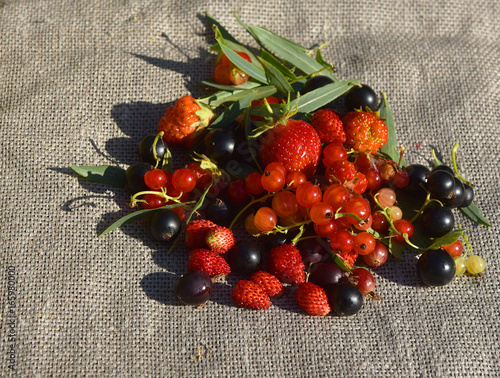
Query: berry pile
304,162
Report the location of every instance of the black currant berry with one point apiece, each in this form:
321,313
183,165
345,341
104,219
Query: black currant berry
345,299
437,221
458,195
218,211
417,174
436,267
194,288
313,250
443,167
134,177
219,145
276,240
441,184
316,82
360,98
146,149
164,225
326,275
244,258
468,195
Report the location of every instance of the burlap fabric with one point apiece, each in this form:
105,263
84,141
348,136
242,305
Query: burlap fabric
83,82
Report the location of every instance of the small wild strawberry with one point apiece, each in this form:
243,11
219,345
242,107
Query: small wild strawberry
249,294
269,283
329,126
285,262
312,299
196,233
219,239
183,122
365,131
207,261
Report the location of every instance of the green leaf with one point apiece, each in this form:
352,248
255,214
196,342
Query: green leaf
247,85
232,112
288,50
249,68
138,215
102,173
225,34
221,97
473,212
320,60
319,97
276,78
449,238
340,263
391,148
270,58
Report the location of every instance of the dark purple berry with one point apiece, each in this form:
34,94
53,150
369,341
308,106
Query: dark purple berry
244,258
443,167
326,275
468,195
345,299
417,174
313,250
146,150
218,211
437,221
361,98
164,225
219,145
436,267
134,177
194,288
441,184
457,196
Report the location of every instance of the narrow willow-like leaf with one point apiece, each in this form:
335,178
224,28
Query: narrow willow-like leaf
138,215
222,97
103,174
249,68
473,212
252,145
247,85
391,148
225,34
448,239
288,50
199,203
319,97
340,263
276,78
270,58
232,112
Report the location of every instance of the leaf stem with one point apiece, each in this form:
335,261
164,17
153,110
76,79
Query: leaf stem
455,166
247,206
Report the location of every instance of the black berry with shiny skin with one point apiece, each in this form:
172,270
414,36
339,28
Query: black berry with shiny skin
436,267
194,288
146,150
164,225
361,98
437,221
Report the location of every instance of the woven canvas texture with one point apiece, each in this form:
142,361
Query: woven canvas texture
82,82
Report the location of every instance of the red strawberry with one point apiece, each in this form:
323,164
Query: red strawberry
219,239
348,258
285,262
296,145
183,121
249,294
269,283
329,126
270,100
364,131
196,233
207,261
312,299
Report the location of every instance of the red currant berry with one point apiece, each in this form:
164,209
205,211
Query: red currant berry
156,179
253,184
401,179
308,194
365,225
285,204
325,230
362,162
358,184
321,213
386,197
276,165
395,213
378,256
374,181
403,226
336,195
152,201
273,181
455,249
380,222
265,219
236,192
184,180
364,243
359,207
365,281
333,153
340,171
294,179
341,241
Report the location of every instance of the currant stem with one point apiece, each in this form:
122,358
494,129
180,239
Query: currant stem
163,194
253,201
158,136
455,166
